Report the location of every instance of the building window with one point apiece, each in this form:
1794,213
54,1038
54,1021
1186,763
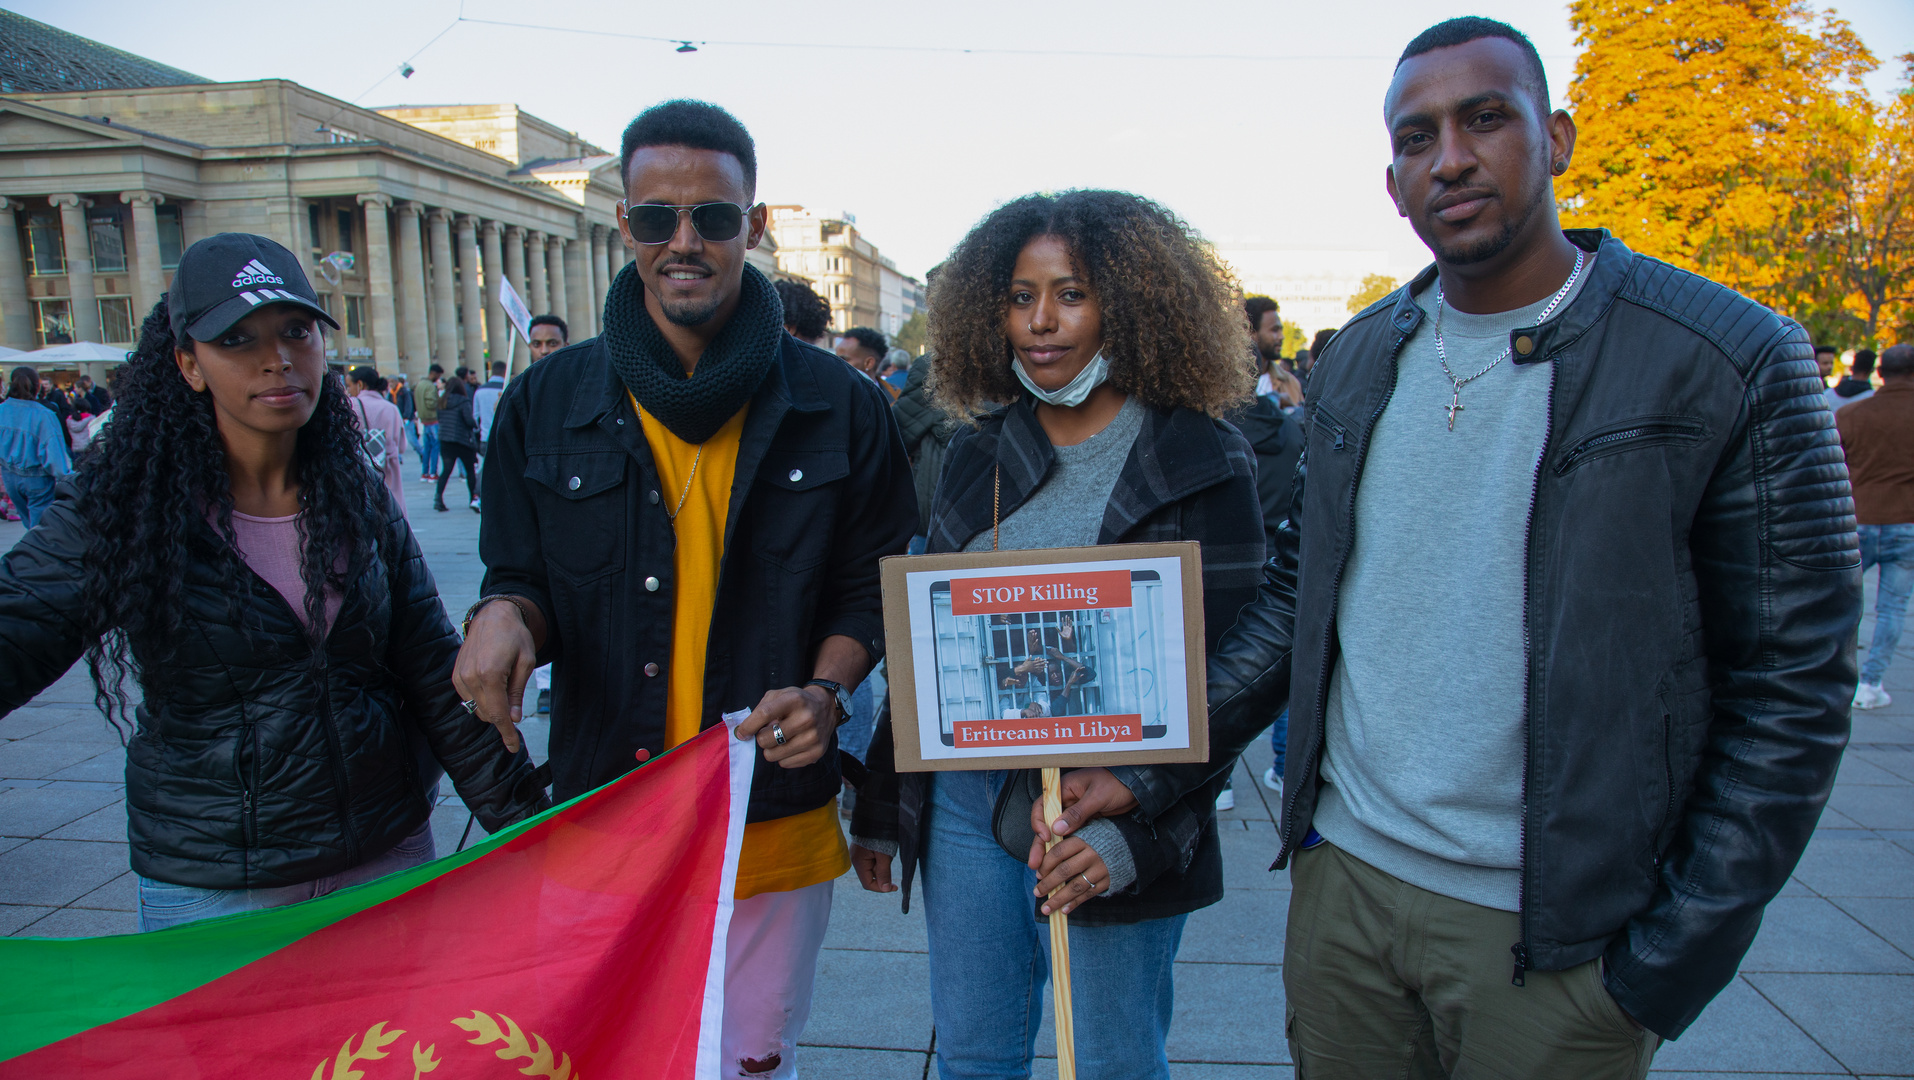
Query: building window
46,248
355,316
345,230
53,321
108,241
312,232
116,318
172,234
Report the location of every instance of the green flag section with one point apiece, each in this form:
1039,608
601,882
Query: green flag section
585,942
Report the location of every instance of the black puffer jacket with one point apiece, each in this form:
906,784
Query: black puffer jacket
457,426
247,770
1278,441
1693,590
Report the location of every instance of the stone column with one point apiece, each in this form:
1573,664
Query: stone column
515,262
149,281
555,259
497,329
600,267
471,298
445,312
15,310
614,260
515,273
81,301
412,331
541,295
578,277
385,322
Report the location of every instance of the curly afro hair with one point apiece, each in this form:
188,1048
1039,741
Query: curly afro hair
1172,328
805,312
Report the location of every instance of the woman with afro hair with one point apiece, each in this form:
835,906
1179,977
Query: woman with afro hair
1090,343
225,544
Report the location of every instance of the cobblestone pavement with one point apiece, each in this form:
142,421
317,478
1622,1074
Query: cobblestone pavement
1828,989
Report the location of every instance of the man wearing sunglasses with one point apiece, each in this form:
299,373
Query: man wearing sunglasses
684,517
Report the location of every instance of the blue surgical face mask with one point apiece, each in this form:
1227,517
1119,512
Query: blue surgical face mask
1094,374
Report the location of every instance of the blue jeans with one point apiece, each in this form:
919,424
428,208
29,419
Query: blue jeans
1892,546
429,453
412,436
854,737
30,494
1279,739
990,957
164,905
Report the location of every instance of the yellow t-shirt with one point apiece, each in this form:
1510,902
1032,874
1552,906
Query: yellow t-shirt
786,853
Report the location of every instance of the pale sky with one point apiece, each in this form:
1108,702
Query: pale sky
1283,149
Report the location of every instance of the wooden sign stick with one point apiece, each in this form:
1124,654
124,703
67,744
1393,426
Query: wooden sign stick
1060,945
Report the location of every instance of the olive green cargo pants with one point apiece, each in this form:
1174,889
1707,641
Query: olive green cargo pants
1388,980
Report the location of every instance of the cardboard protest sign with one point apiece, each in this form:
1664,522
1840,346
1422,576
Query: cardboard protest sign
1058,657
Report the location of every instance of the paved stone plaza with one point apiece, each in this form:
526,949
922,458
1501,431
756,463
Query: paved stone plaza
1828,989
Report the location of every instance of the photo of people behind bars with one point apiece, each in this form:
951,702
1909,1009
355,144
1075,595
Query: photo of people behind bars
1082,662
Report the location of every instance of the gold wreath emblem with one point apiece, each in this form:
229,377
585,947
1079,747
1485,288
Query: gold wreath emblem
530,1047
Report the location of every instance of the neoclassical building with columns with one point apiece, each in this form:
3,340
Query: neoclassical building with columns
408,218
406,225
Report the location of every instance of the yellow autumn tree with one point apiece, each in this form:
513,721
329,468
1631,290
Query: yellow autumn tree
1374,287
1862,270
1703,125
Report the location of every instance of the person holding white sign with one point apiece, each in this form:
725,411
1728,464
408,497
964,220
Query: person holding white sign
1109,329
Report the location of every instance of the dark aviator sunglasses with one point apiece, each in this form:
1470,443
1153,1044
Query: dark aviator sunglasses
657,223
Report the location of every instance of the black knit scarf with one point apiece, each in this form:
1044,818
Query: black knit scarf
732,368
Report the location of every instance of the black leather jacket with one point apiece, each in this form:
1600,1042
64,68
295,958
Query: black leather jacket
1693,595
575,522
248,768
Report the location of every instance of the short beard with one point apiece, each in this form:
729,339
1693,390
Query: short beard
1485,250
689,313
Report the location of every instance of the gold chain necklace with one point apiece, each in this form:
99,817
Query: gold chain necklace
692,476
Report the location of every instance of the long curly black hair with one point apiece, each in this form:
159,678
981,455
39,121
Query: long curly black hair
152,482
1172,329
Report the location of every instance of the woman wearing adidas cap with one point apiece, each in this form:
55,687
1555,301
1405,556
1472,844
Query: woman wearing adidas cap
226,547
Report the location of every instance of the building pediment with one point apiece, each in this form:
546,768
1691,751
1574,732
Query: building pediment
18,127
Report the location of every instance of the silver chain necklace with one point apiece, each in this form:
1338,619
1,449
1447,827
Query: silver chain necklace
1442,353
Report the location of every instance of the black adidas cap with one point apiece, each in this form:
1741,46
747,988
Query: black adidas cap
223,278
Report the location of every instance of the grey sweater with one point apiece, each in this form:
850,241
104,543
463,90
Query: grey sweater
1425,726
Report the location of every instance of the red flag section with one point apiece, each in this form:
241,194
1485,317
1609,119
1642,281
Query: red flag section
587,944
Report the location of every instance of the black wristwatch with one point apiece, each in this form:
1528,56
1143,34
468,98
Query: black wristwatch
839,692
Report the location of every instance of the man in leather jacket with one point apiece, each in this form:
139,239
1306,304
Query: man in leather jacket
1563,611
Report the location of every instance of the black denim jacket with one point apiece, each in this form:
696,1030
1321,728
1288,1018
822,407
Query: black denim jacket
575,520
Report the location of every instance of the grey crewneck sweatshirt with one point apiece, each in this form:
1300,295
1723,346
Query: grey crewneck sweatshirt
1425,731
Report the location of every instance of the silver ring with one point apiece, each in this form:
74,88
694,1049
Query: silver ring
1087,881
470,706
777,733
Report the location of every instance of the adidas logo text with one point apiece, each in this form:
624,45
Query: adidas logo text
256,273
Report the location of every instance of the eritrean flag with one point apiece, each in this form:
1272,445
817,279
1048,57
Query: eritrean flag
587,942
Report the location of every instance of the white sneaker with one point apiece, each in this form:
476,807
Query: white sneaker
1226,801
1272,781
1870,696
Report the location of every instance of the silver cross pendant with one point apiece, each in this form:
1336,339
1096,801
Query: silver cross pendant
1454,406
